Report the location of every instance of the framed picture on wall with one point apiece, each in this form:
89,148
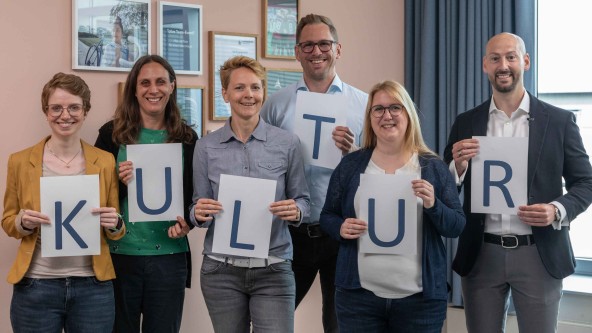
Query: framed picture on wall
179,36
223,46
191,103
277,79
280,18
110,34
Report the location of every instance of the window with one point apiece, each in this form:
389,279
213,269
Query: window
564,80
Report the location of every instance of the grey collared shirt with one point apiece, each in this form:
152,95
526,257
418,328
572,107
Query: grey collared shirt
270,153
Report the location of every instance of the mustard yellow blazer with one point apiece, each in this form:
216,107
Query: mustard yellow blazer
22,192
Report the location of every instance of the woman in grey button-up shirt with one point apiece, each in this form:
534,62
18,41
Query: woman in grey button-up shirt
238,290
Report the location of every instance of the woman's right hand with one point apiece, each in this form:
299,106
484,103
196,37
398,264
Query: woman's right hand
353,228
205,208
126,170
32,219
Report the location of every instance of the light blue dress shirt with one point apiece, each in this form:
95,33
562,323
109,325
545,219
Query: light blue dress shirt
270,153
279,110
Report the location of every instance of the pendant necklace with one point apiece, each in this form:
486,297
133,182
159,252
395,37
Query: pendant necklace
56,156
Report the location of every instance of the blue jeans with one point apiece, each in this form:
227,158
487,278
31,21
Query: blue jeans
151,288
237,296
359,310
75,304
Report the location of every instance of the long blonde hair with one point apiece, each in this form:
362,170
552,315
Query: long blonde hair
413,138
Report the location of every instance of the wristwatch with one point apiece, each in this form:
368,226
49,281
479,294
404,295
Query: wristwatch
557,214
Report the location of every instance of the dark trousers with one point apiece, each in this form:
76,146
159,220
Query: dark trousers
312,256
150,287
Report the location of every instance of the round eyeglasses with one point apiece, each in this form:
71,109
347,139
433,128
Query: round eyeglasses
394,109
55,110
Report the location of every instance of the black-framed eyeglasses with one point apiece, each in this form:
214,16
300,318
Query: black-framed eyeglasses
324,46
394,109
55,110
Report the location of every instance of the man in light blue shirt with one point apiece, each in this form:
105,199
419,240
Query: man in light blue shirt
317,51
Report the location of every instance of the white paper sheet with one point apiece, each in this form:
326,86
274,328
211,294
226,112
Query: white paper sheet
243,228
159,200
389,233
74,230
316,117
503,163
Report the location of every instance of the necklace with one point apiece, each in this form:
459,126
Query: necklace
56,156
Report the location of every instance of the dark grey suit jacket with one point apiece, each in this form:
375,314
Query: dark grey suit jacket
555,150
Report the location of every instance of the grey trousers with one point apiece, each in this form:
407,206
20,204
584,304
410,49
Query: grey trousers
536,294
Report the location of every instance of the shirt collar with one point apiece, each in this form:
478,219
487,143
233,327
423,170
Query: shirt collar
335,87
524,104
259,133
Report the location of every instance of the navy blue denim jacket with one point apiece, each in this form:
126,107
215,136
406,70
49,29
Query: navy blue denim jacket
445,218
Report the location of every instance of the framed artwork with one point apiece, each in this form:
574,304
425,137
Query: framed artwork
280,18
223,46
179,36
109,35
190,102
277,79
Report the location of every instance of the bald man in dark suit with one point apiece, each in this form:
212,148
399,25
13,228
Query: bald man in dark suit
528,253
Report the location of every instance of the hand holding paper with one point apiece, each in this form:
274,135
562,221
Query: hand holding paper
126,171
344,138
285,210
32,219
180,229
108,217
353,228
205,208
462,152
425,191
537,215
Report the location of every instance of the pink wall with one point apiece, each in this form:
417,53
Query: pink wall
37,43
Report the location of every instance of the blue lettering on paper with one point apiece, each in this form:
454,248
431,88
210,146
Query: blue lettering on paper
317,139
168,190
59,223
234,232
372,225
488,183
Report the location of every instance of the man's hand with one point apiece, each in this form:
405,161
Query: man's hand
344,138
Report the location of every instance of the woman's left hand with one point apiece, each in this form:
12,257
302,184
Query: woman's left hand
109,217
286,210
180,229
424,190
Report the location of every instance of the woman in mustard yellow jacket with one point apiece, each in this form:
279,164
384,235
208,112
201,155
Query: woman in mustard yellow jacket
74,293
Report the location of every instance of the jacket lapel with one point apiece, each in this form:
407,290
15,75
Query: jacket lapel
536,136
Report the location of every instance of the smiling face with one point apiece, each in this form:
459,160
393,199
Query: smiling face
244,93
505,62
64,125
317,65
153,90
389,130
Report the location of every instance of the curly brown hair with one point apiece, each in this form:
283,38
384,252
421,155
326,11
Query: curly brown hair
71,83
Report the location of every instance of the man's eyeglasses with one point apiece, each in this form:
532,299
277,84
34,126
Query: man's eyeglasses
55,110
324,46
394,110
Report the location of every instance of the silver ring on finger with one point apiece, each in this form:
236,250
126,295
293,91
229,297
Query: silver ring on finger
460,153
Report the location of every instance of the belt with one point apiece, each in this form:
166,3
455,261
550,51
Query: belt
509,241
248,262
312,230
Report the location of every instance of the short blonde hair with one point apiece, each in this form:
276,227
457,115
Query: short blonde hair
238,62
413,138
